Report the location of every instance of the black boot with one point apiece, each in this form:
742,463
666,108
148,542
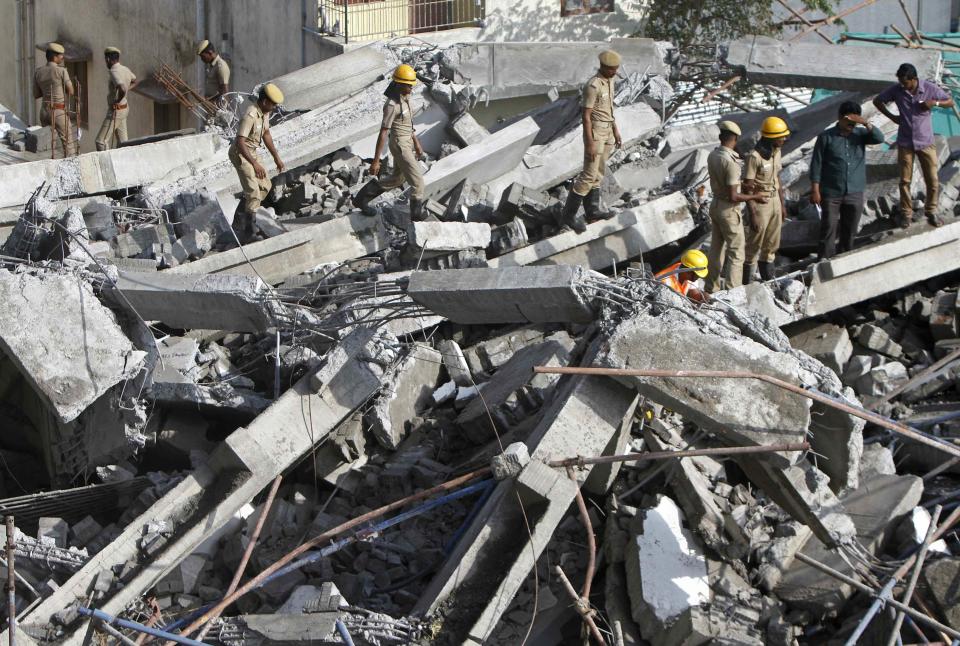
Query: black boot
766,271
571,213
369,191
243,224
748,273
593,208
416,210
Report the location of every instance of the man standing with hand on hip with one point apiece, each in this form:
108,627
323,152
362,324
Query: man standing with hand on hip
600,135
915,98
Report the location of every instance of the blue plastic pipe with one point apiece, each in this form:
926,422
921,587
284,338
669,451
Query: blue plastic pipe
140,628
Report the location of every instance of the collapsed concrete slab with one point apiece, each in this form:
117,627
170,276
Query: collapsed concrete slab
332,79
198,301
801,64
605,242
481,162
288,254
550,164
448,236
508,70
508,295
241,467
407,393
83,352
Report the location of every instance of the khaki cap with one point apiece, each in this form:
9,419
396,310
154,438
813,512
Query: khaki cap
55,47
730,126
610,58
111,50
273,93
202,46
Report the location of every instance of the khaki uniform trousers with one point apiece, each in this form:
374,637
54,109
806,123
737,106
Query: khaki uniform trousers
595,166
255,190
727,247
763,243
62,127
929,164
113,131
405,168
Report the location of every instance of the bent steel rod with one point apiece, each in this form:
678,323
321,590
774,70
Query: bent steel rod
815,395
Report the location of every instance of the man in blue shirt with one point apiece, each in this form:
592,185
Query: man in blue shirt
838,177
915,99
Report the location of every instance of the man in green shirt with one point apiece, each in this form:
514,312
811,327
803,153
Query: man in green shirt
838,177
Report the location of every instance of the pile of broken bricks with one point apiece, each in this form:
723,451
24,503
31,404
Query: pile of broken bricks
362,426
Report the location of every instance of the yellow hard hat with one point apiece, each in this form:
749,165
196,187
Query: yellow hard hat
202,46
273,93
774,128
56,48
610,58
111,50
730,126
696,260
405,74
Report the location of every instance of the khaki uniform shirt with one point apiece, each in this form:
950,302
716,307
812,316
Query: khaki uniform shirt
598,97
253,124
217,74
724,172
120,78
764,172
398,118
54,82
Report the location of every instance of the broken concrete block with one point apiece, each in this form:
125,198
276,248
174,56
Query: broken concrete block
508,237
494,352
939,583
876,460
448,236
666,572
408,392
507,295
466,130
875,338
875,507
455,362
943,317
84,531
99,220
644,174
829,344
85,352
882,379
53,531
913,531
511,462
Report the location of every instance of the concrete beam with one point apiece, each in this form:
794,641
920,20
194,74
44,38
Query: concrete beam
244,464
496,155
605,242
801,64
548,165
508,70
332,79
198,301
83,352
288,254
508,295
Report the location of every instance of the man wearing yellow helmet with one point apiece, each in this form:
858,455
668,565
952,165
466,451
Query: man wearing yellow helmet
253,130
681,276
405,148
762,176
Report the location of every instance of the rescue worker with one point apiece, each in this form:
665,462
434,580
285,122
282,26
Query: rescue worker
114,129
725,266
681,276
216,72
52,84
600,135
405,148
762,176
253,130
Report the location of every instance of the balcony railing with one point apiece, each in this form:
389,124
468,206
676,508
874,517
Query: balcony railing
359,20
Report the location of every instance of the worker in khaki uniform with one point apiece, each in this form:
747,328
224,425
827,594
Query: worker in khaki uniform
114,129
682,276
253,130
600,135
52,84
216,72
405,148
762,176
725,262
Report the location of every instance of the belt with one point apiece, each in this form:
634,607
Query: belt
119,107
56,106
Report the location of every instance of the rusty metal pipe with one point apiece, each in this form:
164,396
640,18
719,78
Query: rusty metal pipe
817,396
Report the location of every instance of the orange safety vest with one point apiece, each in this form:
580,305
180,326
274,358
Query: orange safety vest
673,280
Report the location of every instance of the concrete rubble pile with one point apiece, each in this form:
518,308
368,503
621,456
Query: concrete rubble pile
182,412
